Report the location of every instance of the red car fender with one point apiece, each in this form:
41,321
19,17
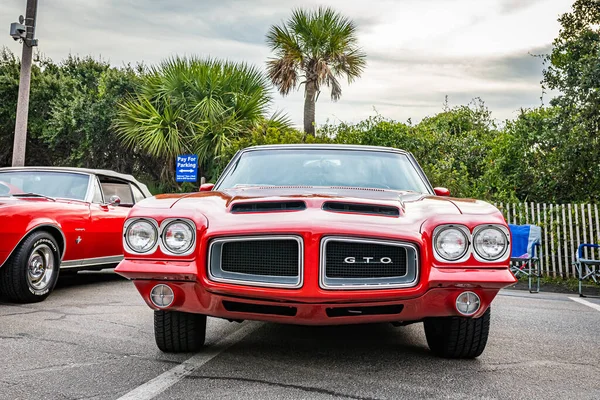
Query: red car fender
12,240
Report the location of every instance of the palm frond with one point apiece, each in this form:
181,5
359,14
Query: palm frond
284,42
280,120
160,131
283,72
334,84
351,64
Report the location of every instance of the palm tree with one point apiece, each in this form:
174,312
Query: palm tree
191,105
318,47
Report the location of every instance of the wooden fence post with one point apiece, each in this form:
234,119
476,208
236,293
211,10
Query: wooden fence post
546,246
583,230
591,225
565,241
552,241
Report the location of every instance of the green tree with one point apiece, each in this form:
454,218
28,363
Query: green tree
314,48
71,109
78,128
573,66
521,164
573,69
451,146
193,105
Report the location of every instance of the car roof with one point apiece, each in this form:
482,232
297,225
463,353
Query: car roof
325,146
89,171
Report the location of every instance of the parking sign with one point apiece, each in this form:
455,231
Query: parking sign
186,168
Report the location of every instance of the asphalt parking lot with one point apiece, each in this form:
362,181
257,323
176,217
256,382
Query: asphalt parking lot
93,339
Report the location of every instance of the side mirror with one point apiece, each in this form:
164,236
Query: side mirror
206,187
441,191
114,200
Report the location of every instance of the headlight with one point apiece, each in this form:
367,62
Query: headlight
179,236
141,235
451,243
490,243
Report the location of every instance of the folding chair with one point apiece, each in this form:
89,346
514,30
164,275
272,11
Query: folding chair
587,268
526,253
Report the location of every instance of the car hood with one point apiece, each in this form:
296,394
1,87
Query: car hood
219,207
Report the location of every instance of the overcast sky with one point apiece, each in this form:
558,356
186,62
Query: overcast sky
418,51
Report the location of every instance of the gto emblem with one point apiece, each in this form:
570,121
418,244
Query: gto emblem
368,260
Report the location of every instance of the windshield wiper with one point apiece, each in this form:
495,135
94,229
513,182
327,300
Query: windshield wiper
32,195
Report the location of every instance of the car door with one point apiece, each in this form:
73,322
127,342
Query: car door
73,216
105,244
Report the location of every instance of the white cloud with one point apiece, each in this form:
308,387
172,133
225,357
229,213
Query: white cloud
420,50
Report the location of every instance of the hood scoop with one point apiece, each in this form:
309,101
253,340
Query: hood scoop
268,206
358,208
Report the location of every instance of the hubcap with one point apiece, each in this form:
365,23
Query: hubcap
40,267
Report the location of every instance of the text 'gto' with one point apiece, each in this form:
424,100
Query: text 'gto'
368,260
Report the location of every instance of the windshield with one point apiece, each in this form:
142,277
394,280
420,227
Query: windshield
324,167
47,183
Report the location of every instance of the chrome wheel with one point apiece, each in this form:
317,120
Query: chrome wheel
40,267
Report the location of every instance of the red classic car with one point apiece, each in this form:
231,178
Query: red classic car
53,218
319,235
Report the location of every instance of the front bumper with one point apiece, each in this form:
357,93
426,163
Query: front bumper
434,296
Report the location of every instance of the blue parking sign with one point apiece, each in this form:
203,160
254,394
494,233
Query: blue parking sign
186,168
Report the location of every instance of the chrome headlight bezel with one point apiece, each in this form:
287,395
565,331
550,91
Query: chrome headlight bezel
163,245
477,253
127,225
462,229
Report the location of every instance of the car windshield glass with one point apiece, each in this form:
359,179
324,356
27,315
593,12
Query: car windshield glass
47,183
324,167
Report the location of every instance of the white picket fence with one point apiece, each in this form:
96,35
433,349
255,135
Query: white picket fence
564,227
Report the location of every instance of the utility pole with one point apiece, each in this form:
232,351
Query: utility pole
29,41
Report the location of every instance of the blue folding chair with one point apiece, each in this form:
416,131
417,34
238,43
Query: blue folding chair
526,253
586,267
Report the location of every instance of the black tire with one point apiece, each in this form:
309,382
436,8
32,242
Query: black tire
16,281
179,332
458,337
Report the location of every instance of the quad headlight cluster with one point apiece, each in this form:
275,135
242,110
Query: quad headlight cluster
174,236
455,243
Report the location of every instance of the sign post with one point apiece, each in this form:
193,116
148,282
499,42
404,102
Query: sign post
186,168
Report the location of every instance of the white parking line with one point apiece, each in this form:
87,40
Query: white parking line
164,381
585,302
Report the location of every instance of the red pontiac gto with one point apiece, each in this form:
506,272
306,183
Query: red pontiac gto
49,215
319,235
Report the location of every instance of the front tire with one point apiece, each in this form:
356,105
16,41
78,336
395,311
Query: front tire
179,332
458,337
31,272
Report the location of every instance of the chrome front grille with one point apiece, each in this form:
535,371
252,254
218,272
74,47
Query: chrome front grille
261,257
356,263
364,260
275,261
